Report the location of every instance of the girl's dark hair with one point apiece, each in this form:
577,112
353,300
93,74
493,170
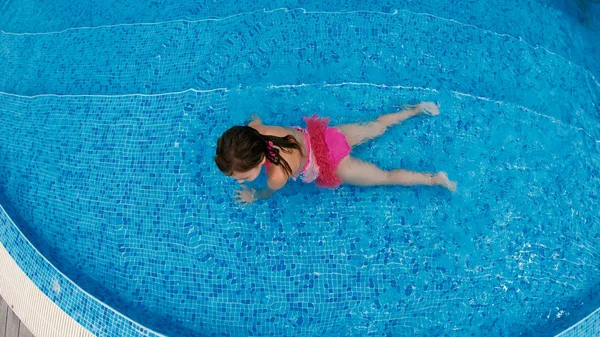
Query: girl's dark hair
242,148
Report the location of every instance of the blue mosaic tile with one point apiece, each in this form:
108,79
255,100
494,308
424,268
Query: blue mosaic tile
590,326
96,317
564,27
125,200
404,48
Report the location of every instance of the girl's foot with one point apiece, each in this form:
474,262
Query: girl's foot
428,108
441,179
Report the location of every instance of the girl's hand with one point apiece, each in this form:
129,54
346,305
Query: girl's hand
245,196
255,121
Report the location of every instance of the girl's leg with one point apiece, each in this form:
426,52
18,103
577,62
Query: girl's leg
360,133
357,172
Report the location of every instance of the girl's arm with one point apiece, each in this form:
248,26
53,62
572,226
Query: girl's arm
255,122
277,179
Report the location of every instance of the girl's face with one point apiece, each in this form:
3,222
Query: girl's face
251,175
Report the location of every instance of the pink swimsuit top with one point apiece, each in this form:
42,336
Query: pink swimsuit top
327,147
310,171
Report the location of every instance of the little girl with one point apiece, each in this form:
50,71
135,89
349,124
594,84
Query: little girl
318,153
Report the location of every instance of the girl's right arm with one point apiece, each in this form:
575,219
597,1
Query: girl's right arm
255,122
276,180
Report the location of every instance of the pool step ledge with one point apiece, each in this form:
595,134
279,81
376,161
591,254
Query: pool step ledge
37,312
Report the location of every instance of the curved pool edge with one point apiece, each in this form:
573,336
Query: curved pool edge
587,326
47,301
40,314
50,304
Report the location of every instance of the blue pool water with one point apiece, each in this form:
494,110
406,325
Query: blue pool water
109,112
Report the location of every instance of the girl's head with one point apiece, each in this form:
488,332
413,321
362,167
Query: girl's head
242,151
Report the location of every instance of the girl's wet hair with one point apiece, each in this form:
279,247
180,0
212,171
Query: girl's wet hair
242,148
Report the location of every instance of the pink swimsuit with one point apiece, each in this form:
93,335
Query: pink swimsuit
326,147
329,147
310,171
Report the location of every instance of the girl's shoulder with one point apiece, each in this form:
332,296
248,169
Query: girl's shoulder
276,177
271,130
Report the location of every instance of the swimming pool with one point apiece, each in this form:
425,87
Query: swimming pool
109,116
